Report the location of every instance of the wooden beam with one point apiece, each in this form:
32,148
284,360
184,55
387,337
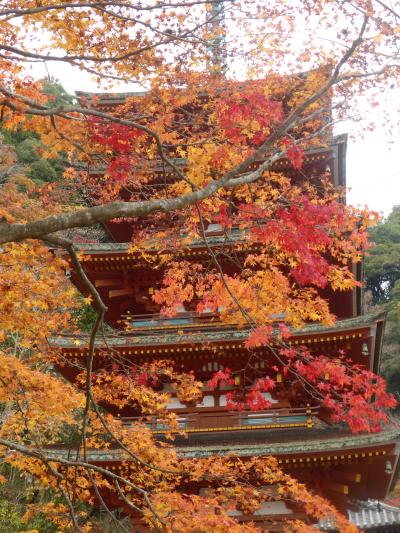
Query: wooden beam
107,282
120,292
338,488
353,477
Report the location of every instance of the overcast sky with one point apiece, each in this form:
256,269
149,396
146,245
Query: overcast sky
373,163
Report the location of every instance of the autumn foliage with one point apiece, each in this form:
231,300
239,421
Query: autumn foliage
197,147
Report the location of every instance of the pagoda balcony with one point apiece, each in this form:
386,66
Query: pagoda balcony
220,421
342,466
216,235
322,158
186,320
182,320
193,344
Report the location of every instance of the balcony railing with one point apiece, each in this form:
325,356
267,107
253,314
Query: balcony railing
198,422
184,320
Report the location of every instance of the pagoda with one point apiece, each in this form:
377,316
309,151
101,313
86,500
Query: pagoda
328,458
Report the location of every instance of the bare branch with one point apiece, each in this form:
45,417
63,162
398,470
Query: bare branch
13,13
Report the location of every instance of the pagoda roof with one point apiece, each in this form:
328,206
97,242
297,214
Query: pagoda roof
228,332
311,155
221,333
322,441
375,513
116,97
330,444
123,248
113,98
371,514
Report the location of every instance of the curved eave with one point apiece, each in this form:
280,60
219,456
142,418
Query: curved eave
331,155
323,449
115,252
342,330
320,447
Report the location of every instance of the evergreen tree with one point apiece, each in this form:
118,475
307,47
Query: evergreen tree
28,147
382,269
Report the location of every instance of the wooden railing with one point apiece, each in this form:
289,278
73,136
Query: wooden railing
198,422
184,320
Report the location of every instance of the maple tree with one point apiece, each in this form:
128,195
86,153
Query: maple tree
214,137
